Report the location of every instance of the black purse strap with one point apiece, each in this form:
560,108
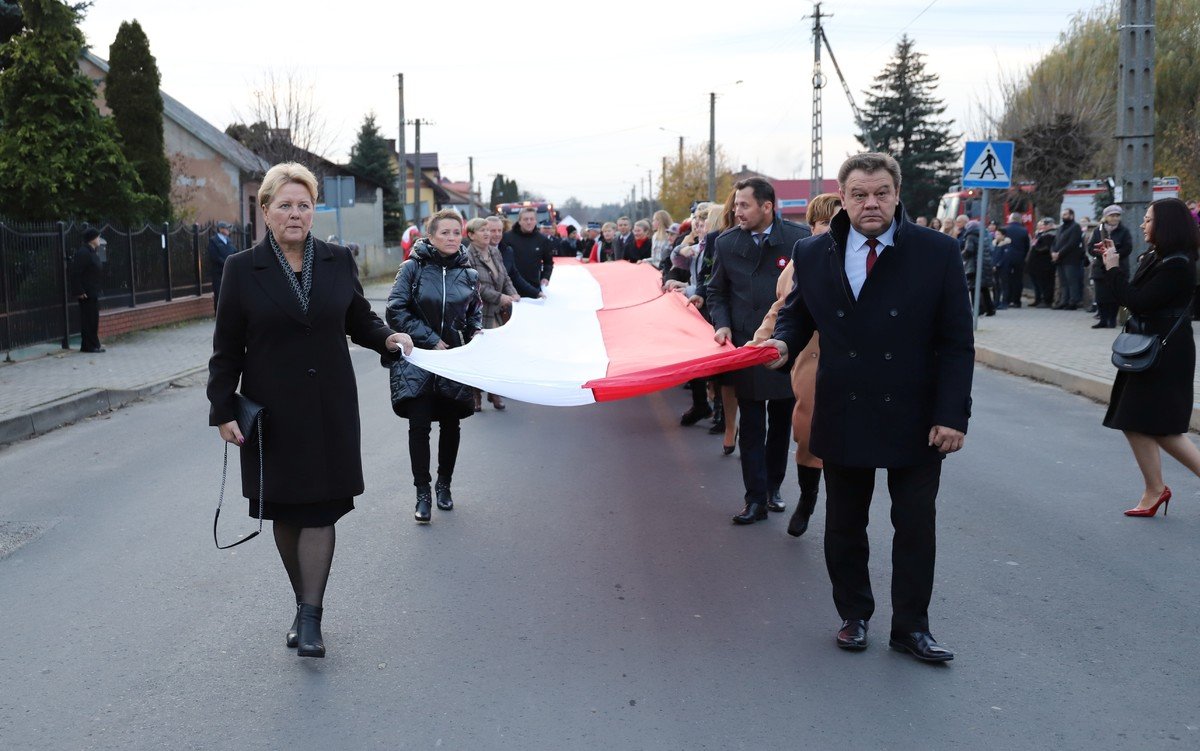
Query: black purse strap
1187,310
258,425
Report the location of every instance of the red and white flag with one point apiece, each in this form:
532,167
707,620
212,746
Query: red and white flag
604,331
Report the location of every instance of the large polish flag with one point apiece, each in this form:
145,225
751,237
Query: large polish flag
604,331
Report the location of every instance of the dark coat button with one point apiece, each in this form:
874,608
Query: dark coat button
853,353
853,396
887,355
307,330
887,397
842,314
312,372
893,312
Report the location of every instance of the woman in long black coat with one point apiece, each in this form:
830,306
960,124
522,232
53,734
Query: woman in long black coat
1154,407
436,300
285,309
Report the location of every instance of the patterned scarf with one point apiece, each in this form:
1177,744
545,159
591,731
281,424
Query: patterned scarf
303,287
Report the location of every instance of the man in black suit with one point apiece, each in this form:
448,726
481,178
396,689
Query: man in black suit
1016,232
220,247
624,238
747,261
532,254
87,274
890,301
1067,255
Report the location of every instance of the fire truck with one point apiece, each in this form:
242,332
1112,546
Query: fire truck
545,210
1079,196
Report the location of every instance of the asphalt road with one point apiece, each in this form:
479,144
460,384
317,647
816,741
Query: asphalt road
589,591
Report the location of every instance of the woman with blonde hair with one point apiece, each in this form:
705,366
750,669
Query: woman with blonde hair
435,299
720,218
660,239
495,287
286,307
804,372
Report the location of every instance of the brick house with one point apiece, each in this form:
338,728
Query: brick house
213,177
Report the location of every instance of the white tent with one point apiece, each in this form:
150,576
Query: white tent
570,220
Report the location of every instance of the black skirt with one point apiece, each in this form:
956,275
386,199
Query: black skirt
319,514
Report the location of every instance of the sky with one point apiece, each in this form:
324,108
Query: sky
580,98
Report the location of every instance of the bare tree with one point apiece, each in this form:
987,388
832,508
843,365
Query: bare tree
283,122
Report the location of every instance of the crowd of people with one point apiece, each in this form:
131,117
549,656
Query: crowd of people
873,369
1059,262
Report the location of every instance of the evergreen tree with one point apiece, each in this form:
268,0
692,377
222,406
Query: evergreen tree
902,115
59,159
131,91
371,158
504,191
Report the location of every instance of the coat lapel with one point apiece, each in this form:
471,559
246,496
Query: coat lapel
270,277
839,233
324,271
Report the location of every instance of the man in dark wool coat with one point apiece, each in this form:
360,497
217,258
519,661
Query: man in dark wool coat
747,262
890,301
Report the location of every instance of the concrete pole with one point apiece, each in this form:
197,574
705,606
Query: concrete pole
471,212
417,174
1135,115
712,146
403,180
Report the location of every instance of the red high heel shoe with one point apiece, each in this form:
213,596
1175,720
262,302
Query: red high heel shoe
1163,500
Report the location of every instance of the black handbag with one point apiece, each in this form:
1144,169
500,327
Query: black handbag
250,416
1135,352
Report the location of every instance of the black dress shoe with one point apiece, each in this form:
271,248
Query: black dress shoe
717,428
424,504
853,634
775,503
754,512
292,635
444,501
810,485
920,644
96,349
308,636
695,415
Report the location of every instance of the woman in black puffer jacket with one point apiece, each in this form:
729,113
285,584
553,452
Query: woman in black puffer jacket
435,300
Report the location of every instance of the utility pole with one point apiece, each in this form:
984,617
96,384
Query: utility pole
417,172
649,188
1135,113
712,146
470,184
818,83
403,180
664,174
681,152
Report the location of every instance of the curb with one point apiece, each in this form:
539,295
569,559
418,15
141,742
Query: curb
1084,384
56,414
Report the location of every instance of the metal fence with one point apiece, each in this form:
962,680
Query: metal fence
143,265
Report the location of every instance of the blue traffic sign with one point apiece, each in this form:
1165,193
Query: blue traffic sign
987,164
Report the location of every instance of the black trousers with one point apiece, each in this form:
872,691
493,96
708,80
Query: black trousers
89,324
423,411
1016,284
914,545
1108,313
765,431
699,393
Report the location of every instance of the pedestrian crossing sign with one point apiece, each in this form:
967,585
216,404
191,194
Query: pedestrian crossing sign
987,164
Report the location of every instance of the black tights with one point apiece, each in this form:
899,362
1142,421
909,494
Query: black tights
307,554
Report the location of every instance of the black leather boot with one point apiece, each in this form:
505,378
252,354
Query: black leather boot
424,504
444,501
308,636
291,634
810,484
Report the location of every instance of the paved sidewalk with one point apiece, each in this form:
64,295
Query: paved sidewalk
44,393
